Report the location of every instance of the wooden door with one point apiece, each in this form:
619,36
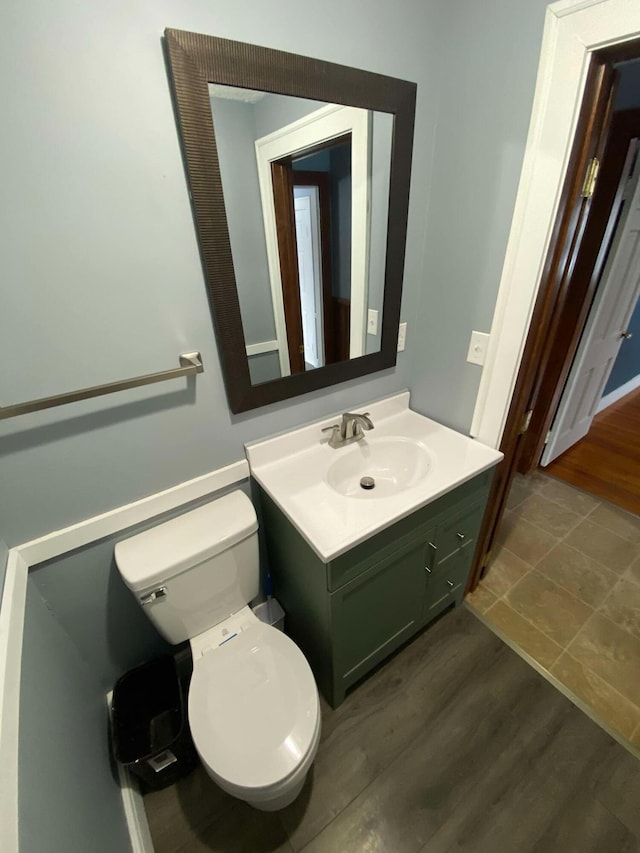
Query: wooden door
605,332
281,174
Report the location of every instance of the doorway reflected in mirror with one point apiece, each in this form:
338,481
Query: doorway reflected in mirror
306,187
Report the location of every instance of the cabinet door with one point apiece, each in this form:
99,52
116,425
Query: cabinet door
459,531
376,612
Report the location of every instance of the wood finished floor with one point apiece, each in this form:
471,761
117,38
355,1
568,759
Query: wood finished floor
456,744
606,462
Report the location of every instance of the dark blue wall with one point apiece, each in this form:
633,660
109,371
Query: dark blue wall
627,364
628,94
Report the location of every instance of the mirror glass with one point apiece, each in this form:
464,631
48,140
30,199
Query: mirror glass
298,173
306,192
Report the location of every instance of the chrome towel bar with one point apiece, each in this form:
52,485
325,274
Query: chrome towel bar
190,364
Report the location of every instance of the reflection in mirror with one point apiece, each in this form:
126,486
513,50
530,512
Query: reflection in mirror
254,288
306,189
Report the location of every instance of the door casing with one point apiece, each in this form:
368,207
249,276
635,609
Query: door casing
581,42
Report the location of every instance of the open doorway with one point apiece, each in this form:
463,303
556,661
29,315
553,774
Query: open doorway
561,570
312,202
594,439
586,418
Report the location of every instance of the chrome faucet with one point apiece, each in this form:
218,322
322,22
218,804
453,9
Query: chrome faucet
349,429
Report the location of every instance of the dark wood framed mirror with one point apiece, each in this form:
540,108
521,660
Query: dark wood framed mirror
198,64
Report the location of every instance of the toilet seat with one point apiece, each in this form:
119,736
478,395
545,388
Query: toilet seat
253,709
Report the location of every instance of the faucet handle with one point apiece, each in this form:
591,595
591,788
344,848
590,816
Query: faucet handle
335,439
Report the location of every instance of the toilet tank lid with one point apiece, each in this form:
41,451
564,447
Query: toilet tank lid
176,545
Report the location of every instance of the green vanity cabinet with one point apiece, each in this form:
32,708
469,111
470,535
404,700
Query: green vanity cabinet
376,611
349,614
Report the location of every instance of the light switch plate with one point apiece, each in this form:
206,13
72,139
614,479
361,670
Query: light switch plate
402,336
478,348
372,321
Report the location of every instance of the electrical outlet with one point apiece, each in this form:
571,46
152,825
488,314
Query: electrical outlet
402,336
372,321
478,348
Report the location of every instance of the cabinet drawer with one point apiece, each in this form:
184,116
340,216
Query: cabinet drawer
447,582
459,531
376,551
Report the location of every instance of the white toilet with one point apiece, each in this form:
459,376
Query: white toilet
253,703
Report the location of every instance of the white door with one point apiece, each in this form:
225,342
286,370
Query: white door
309,273
298,138
613,305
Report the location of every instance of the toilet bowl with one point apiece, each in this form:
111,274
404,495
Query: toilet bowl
253,703
254,712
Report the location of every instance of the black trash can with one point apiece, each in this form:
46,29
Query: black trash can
150,727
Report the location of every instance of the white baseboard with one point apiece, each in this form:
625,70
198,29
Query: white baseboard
618,393
12,610
262,347
84,532
134,813
133,804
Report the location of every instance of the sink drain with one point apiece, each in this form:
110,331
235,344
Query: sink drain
367,483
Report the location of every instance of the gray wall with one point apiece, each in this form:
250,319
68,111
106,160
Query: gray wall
380,161
69,800
99,614
489,57
235,136
97,611
273,112
264,367
100,255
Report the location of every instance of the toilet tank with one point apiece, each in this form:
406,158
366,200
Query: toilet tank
194,571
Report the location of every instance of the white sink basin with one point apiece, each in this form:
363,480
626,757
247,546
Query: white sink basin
412,459
394,464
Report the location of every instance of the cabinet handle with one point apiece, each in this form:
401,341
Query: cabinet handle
461,536
433,549
450,583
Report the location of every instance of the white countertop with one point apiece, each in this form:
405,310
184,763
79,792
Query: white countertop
292,468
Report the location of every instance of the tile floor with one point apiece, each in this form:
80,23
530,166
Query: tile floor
564,587
455,743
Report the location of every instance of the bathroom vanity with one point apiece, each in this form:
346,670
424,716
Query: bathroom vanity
348,614
358,573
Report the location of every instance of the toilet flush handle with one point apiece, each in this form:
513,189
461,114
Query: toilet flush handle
152,596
